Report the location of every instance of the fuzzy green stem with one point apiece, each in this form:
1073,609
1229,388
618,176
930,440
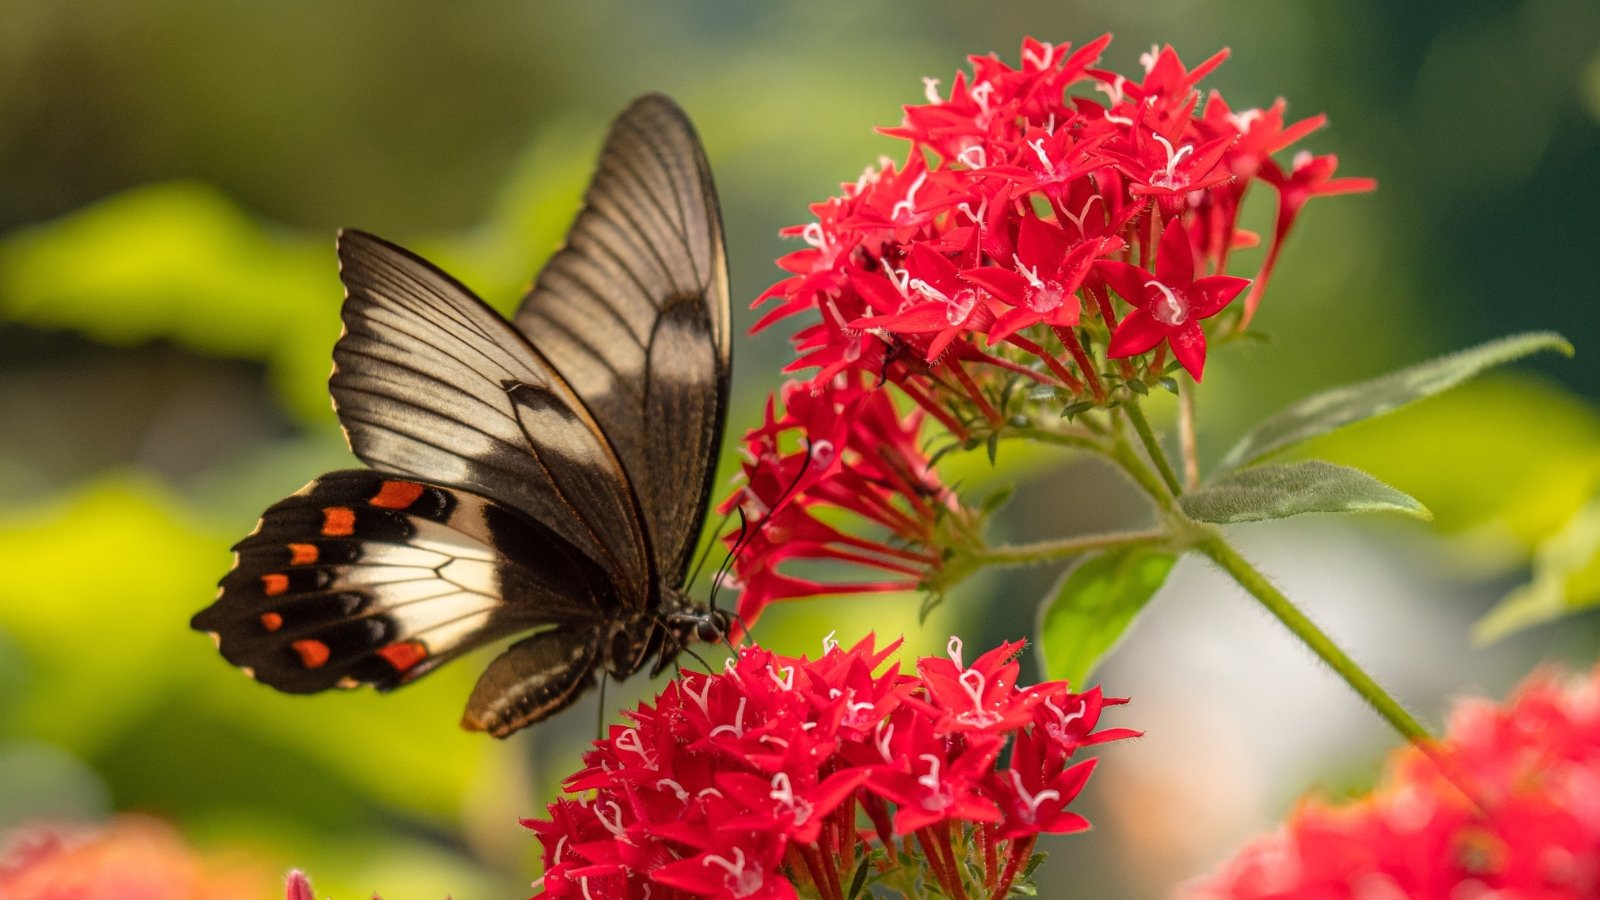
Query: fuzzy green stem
1050,551
1130,462
1249,578
1187,446
1081,438
1152,446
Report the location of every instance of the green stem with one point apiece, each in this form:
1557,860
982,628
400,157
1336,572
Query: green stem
1081,438
1129,460
1152,446
1049,551
1229,560
1186,437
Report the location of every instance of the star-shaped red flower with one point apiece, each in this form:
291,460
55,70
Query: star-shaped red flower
1169,304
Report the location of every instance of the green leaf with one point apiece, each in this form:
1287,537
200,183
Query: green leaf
1330,410
1292,489
1524,457
1566,579
1092,606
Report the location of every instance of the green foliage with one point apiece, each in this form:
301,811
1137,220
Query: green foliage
1292,489
1330,410
181,262
1511,468
1093,604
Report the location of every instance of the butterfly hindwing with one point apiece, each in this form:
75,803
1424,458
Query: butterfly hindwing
431,383
633,312
367,578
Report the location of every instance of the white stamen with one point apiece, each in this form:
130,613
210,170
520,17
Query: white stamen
813,234
973,686
1113,92
901,279
1148,60
973,157
1029,272
613,826
1033,801
1170,309
700,698
980,94
1173,156
1044,159
829,644
1039,61
909,204
675,787
885,732
786,683
737,728
629,740
930,89
953,649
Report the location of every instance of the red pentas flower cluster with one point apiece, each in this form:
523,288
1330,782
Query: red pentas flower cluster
844,448
1046,215
1057,236
1530,827
784,771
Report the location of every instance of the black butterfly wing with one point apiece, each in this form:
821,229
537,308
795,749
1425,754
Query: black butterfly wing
431,383
368,578
633,312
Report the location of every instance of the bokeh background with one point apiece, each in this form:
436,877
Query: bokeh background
171,176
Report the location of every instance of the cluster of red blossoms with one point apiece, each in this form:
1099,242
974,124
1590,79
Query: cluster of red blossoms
1055,233
856,454
1519,816
784,772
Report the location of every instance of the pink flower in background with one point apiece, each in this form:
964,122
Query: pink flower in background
131,858
1530,829
748,783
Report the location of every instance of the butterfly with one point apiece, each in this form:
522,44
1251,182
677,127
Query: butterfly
547,474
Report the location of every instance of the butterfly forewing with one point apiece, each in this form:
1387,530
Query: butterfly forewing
366,578
633,312
430,382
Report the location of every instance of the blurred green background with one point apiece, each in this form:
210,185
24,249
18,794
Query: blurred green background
171,176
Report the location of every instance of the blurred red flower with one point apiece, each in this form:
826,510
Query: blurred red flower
1531,827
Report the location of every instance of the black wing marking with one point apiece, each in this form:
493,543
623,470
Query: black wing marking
423,381
367,578
633,312
534,679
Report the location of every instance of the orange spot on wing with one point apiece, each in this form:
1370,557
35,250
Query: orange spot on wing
271,621
275,584
302,554
404,654
397,494
313,653
338,521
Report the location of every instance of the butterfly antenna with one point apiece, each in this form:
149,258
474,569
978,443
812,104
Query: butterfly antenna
706,553
727,561
744,527
699,659
600,711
